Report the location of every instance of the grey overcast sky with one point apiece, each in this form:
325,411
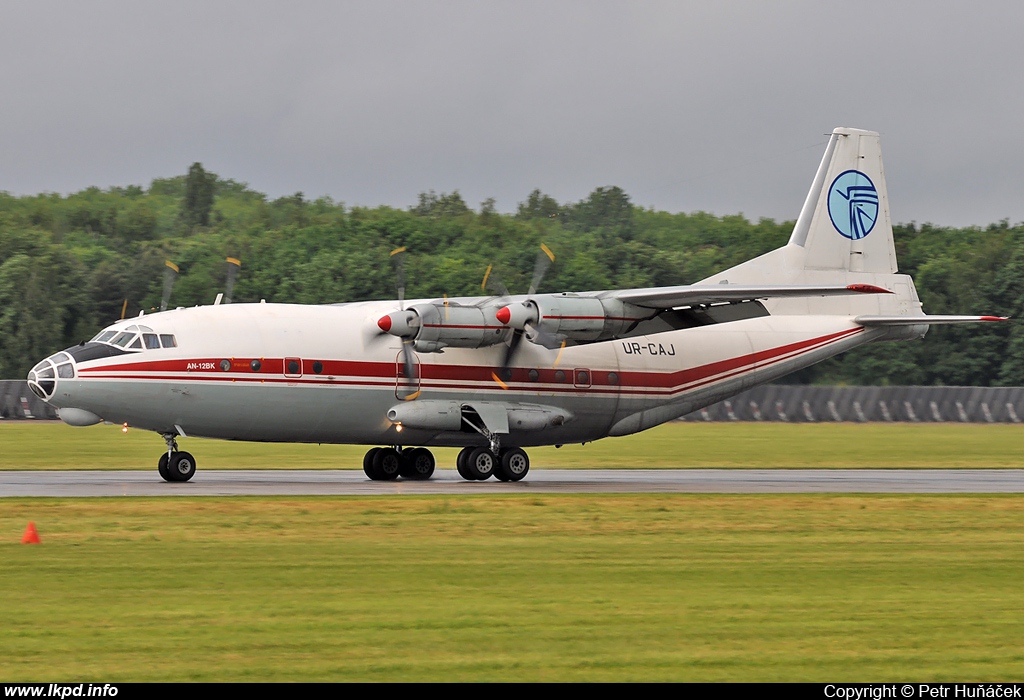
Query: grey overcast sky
716,106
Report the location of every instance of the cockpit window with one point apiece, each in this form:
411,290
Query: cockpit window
122,339
134,337
59,357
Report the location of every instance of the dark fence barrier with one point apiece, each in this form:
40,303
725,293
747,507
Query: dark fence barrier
910,404
16,401
794,404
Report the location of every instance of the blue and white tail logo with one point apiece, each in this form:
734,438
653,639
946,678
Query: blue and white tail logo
853,204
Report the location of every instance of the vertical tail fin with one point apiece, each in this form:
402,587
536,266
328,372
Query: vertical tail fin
844,223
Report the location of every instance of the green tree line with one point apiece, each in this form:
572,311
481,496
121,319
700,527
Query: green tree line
70,265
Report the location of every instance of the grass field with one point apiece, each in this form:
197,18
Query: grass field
520,587
550,588
53,445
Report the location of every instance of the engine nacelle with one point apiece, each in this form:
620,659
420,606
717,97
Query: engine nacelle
574,317
433,327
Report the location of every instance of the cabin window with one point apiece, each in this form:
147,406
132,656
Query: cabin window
534,375
318,367
613,378
255,365
559,376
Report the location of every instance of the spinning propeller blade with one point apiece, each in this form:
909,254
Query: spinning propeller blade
234,266
398,256
170,273
540,268
534,334
408,369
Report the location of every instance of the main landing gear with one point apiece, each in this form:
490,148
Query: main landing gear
474,463
389,463
175,465
479,463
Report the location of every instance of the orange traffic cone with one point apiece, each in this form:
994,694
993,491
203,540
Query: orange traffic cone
30,536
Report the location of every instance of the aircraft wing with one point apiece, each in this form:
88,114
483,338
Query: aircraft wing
697,295
923,320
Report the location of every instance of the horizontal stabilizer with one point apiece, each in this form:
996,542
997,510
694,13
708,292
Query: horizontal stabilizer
697,295
923,320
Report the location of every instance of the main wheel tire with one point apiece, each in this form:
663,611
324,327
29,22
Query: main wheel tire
462,460
181,466
386,464
161,468
481,463
368,462
417,464
513,466
499,473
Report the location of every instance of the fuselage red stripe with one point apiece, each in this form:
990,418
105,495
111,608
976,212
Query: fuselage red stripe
382,374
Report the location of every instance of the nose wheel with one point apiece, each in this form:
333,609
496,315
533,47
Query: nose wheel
175,465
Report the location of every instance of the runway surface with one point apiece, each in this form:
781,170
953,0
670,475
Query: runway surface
447,481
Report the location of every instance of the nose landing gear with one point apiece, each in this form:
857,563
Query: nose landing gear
175,465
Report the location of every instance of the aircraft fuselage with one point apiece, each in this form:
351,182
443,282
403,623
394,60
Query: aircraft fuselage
297,373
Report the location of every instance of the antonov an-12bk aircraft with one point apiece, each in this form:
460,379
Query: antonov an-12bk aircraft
496,374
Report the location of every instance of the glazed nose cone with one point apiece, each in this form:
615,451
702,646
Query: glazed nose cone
42,379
